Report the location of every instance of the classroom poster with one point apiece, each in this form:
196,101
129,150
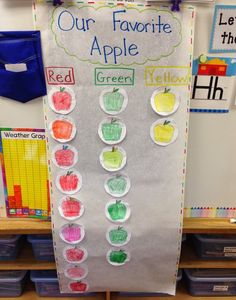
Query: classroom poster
117,117
24,169
212,84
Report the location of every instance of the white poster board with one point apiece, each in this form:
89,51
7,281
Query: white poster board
108,65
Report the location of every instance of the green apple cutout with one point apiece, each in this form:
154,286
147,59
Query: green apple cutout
118,257
117,185
117,211
118,236
113,100
112,131
164,132
113,158
165,101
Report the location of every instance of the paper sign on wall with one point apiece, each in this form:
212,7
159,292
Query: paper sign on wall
223,35
23,161
117,141
212,84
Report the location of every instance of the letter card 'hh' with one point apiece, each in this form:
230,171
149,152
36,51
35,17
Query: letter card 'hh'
116,116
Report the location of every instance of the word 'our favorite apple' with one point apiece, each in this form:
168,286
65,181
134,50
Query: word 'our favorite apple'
112,159
69,182
164,132
62,100
117,211
64,157
118,256
62,129
164,102
75,254
118,236
71,207
78,286
113,101
112,131
117,184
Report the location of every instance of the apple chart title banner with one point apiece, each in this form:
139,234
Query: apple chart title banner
132,32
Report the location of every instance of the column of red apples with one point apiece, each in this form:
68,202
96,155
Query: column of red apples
68,182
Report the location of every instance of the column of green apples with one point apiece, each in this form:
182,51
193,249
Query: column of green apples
112,131
68,182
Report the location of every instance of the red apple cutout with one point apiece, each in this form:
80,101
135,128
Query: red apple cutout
75,254
65,156
62,100
76,272
72,233
69,182
79,286
71,208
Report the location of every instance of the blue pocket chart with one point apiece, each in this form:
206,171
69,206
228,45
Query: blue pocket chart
21,66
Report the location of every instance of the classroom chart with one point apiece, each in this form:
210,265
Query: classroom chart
25,173
116,114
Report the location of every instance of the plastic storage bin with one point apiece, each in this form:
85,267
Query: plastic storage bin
9,246
140,294
12,283
212,246
211,282
42,246
46,284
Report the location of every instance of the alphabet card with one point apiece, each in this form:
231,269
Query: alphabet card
223,35
116,119
212,84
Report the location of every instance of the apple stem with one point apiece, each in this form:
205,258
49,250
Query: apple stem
119,227
69,173
62,89
65,147
118,201
113,149
113,120
166,90
118,175
115,90
166,122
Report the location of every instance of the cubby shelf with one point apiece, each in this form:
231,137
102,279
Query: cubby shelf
30,294
191,225
26,261
180,295
188,257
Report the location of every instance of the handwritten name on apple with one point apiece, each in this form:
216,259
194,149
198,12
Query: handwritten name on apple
115,36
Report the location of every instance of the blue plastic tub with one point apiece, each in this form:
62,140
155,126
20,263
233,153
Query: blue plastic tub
42,247
9,246
12,283
46,284
212,246
140,294
211,282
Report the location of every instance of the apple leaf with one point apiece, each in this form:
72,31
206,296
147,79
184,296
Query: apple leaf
69,173
62,89
166,90
115,90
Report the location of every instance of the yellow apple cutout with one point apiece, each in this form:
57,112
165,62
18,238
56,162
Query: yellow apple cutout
164,132
165,101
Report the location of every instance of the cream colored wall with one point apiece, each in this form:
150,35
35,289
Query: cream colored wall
211,164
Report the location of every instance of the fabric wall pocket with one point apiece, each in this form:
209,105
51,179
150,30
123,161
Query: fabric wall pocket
21,66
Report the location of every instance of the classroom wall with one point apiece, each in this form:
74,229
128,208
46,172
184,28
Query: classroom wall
211,163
